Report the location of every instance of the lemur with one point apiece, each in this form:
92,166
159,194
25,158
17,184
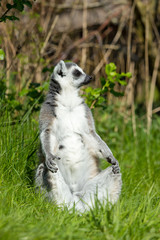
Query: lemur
70,147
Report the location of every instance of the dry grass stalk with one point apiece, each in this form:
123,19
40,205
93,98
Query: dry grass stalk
49,34
146,56
84,50
152,89
108,52
130,35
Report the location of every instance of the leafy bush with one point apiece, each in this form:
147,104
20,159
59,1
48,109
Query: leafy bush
17,5
96,97
31,97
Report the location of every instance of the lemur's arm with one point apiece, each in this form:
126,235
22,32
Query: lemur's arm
99,147
47,137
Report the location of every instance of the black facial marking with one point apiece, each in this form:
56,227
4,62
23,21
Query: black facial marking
54,86
77,73
61,73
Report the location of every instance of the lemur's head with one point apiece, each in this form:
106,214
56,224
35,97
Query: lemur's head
70,74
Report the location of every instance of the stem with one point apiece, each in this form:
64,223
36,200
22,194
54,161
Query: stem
146,61
4,14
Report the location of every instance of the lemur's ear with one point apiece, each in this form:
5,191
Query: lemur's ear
60,69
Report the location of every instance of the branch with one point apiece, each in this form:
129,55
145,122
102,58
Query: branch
4,14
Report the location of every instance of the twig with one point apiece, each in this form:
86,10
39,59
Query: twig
104,46
107,54
91,34
4,14
154,27
66,6
146,60
92,105
84,24
151,95
130,36
156,110
49,34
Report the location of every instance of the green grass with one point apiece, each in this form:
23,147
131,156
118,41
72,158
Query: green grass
25,215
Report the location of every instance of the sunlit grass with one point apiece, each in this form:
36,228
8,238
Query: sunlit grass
26,215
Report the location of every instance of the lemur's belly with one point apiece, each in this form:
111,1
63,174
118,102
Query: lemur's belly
75,164
74,161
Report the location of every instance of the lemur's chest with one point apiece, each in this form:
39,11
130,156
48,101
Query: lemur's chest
70,120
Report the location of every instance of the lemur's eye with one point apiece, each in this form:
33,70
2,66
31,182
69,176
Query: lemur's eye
77,73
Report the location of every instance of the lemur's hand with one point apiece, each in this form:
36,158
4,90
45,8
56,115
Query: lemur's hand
50,163
111,159
115,165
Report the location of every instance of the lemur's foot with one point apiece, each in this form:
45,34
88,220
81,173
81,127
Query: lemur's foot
50,163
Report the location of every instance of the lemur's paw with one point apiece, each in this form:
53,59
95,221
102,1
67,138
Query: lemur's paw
115,169
111,159
50,163
115,165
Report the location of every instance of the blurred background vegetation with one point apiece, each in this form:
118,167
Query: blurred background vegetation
119,42
91,33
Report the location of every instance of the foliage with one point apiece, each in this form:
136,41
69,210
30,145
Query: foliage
2,54
28,98
96,97
26,215
17,5
33,95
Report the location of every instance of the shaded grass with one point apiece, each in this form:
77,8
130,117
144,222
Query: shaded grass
25,215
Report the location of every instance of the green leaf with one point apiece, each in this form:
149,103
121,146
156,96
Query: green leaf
18,5
9,6
117,94
111,67
23,92
88,90
103,81
128,74
100,100
122,82
2,54
27,3
11,18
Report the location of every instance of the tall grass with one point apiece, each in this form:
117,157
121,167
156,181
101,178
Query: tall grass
25,215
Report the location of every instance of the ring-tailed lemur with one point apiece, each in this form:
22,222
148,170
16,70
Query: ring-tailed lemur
71,148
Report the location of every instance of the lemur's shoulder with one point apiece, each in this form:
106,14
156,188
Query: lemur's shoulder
47,116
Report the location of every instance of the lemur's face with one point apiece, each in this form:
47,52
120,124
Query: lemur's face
70,74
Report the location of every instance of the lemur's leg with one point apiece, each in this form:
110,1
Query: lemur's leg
56,189
49,144
106,186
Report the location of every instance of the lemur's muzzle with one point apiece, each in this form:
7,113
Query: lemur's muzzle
88,79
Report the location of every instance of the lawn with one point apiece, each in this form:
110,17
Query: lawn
25,215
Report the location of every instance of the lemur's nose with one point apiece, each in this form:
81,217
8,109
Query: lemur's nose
91,77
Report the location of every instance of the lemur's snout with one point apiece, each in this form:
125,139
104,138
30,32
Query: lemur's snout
88,79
